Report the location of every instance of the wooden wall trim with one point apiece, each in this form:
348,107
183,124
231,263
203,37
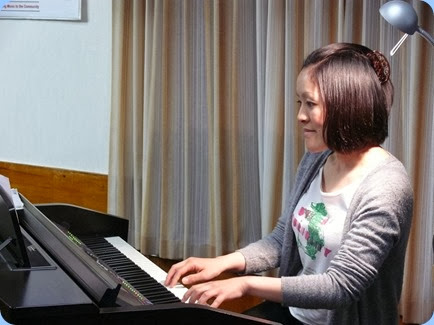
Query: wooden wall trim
53,185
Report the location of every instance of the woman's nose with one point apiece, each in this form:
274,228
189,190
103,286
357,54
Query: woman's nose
301,116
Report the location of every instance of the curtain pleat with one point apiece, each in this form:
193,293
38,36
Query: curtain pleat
204,139
271,117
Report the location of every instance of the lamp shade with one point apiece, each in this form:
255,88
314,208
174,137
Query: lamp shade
401,15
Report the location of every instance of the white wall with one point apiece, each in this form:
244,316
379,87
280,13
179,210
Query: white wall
55,79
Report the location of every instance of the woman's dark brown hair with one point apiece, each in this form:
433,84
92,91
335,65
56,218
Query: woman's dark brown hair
354,83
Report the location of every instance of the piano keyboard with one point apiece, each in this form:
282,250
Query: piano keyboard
139,271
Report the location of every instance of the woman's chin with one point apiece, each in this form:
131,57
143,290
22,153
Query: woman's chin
316,149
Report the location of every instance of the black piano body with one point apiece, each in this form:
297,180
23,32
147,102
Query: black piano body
60,288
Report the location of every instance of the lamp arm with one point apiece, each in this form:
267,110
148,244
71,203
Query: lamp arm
426,35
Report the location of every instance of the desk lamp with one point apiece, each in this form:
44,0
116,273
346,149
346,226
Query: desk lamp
402,15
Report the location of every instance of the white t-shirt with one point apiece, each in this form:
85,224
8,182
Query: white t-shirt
318,223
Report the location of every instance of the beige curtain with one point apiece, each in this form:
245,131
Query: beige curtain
204,138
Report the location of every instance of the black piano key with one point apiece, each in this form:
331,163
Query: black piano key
131,274
144,280
145,284
155,292
121,262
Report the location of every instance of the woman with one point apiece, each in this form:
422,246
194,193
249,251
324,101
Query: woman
340,243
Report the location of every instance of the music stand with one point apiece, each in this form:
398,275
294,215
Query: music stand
12,246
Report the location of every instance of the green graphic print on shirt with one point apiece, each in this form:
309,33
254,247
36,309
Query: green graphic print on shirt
314,235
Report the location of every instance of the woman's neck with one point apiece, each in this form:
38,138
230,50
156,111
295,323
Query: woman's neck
341,169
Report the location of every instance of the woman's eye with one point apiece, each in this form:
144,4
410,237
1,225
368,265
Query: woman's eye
307,103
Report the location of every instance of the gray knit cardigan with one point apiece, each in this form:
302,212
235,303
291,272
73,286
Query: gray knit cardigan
363,283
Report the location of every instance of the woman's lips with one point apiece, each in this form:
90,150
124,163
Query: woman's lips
308,131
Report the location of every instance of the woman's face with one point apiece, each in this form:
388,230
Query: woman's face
311,112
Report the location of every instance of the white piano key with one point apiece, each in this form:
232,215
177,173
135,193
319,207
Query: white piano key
145,264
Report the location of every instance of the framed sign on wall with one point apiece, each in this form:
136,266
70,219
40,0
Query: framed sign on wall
41,9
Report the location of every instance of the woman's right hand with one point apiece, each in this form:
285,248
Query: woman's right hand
196,270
